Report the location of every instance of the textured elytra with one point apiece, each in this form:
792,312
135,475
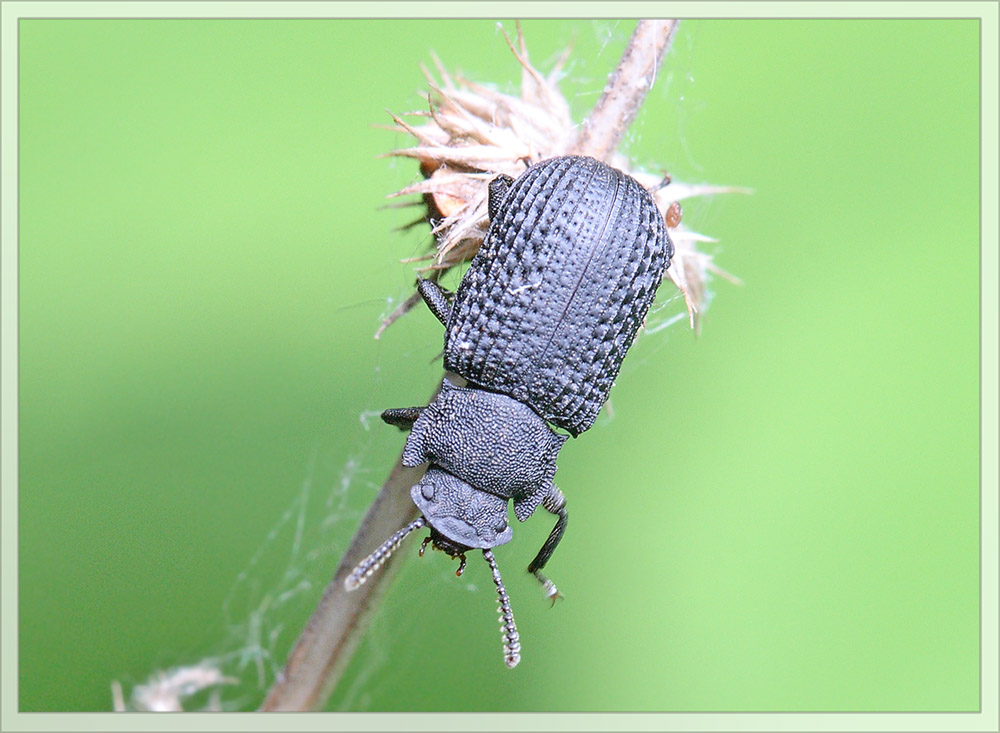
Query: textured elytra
553,300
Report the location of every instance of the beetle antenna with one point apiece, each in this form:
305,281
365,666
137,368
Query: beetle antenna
367,567
508,629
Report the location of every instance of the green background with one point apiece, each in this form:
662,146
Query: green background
780,514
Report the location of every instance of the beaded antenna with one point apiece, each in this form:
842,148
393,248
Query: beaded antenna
367,567
508,629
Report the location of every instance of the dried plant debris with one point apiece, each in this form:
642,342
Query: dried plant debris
167,691
471,132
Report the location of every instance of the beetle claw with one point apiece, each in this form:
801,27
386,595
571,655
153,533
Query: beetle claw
461,565
551,591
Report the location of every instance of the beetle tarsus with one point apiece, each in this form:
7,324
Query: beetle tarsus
551,592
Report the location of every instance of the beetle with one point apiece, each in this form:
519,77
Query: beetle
538,329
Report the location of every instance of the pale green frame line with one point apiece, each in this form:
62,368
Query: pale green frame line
986,720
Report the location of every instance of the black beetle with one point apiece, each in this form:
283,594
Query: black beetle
538,328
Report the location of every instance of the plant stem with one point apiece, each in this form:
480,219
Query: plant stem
335,627
326,644
626,89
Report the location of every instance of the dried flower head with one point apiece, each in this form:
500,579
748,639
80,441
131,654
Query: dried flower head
470,133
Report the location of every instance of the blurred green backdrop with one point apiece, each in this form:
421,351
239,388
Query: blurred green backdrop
781,514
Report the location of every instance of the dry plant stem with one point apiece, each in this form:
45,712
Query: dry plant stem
324,647
626,89
327,643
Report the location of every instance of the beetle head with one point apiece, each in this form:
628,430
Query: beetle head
460,518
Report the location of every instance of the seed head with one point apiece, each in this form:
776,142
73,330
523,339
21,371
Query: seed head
470,133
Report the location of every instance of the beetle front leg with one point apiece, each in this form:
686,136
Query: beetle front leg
402,417
436,298
554,502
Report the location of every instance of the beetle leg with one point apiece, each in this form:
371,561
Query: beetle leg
498,190
554,502
402,417
436,298
662,184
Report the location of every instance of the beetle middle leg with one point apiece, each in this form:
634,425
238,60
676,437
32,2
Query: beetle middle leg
436,298
554,502
497,191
